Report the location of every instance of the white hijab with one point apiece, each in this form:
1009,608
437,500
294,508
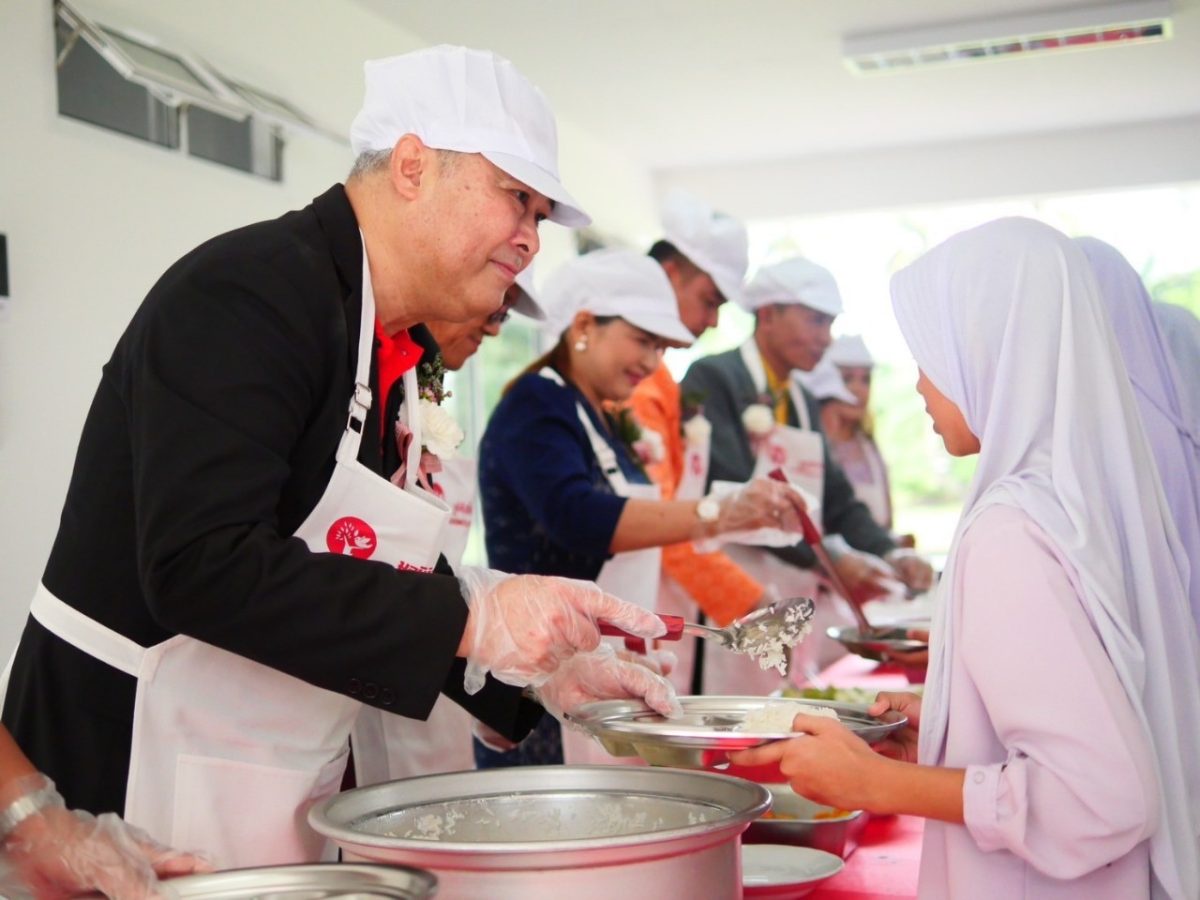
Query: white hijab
1156,387
1182,332
1006,320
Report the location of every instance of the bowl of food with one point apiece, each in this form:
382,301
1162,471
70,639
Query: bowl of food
801,822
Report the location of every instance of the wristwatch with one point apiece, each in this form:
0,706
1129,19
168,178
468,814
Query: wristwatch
708,509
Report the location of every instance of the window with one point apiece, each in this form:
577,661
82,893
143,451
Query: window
131,84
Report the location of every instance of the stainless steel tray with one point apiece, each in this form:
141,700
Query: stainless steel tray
884,640
315,881
708,730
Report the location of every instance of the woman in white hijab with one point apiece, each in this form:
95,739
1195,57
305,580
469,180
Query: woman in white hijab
1157,388
1060,730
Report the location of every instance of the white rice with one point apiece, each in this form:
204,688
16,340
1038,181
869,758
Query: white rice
774,718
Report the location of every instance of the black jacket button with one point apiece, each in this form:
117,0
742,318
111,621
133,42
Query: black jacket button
370,691
354,686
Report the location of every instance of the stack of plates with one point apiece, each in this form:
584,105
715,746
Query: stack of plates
783,871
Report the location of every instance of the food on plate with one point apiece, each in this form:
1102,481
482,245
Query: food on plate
772,718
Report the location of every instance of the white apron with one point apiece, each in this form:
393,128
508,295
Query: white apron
801,453
388,747
673,598
632,576
227,754
873,490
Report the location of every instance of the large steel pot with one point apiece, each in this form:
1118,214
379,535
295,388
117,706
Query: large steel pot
317,881
577,832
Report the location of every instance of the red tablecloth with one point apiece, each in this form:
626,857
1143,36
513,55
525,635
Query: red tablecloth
887,861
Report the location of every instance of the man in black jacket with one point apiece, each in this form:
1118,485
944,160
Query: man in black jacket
186,629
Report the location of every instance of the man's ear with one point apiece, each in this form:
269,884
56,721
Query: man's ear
410,158
674,272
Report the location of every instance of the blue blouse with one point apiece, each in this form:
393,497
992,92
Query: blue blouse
547,507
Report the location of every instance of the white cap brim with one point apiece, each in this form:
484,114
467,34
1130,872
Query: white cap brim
728,284
669,327
527,304
567,210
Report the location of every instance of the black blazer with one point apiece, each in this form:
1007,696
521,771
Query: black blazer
210,439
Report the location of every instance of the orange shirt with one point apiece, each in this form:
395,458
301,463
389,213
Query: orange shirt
720,587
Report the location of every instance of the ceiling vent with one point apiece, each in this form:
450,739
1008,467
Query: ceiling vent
1010,37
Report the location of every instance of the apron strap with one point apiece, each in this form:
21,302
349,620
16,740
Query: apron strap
86,634
360,402
605,455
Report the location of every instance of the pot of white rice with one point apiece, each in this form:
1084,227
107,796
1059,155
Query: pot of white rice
575,832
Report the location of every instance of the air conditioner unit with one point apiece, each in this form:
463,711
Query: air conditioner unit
1010,37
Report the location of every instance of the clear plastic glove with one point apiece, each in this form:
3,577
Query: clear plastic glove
660,661
912,568
761,503
520,628
866,576
605,675
59,853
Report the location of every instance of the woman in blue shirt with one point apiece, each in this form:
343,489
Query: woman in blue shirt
561,483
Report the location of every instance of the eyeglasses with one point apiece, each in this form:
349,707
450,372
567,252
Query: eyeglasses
500,316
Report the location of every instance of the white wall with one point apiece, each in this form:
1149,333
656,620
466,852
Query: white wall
92,218
1144,153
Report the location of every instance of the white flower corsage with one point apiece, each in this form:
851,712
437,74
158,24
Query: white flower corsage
650,447
440,434
758,419
697,431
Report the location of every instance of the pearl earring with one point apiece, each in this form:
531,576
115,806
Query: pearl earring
581,344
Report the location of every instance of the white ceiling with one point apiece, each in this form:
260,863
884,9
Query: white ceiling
685,83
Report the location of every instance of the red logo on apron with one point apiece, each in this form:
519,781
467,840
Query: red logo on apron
776,454
697,464
351,536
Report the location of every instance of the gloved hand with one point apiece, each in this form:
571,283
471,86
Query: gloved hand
605,675
660,661
57,853
866,576
914,570
761,503
522,627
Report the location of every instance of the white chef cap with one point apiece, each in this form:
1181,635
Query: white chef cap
825,382
795,280
614,283
716,243
849,350
469,101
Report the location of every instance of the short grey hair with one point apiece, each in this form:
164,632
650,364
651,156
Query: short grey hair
371,161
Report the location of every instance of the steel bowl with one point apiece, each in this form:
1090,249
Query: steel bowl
802,822
317,881
878,644
549,831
